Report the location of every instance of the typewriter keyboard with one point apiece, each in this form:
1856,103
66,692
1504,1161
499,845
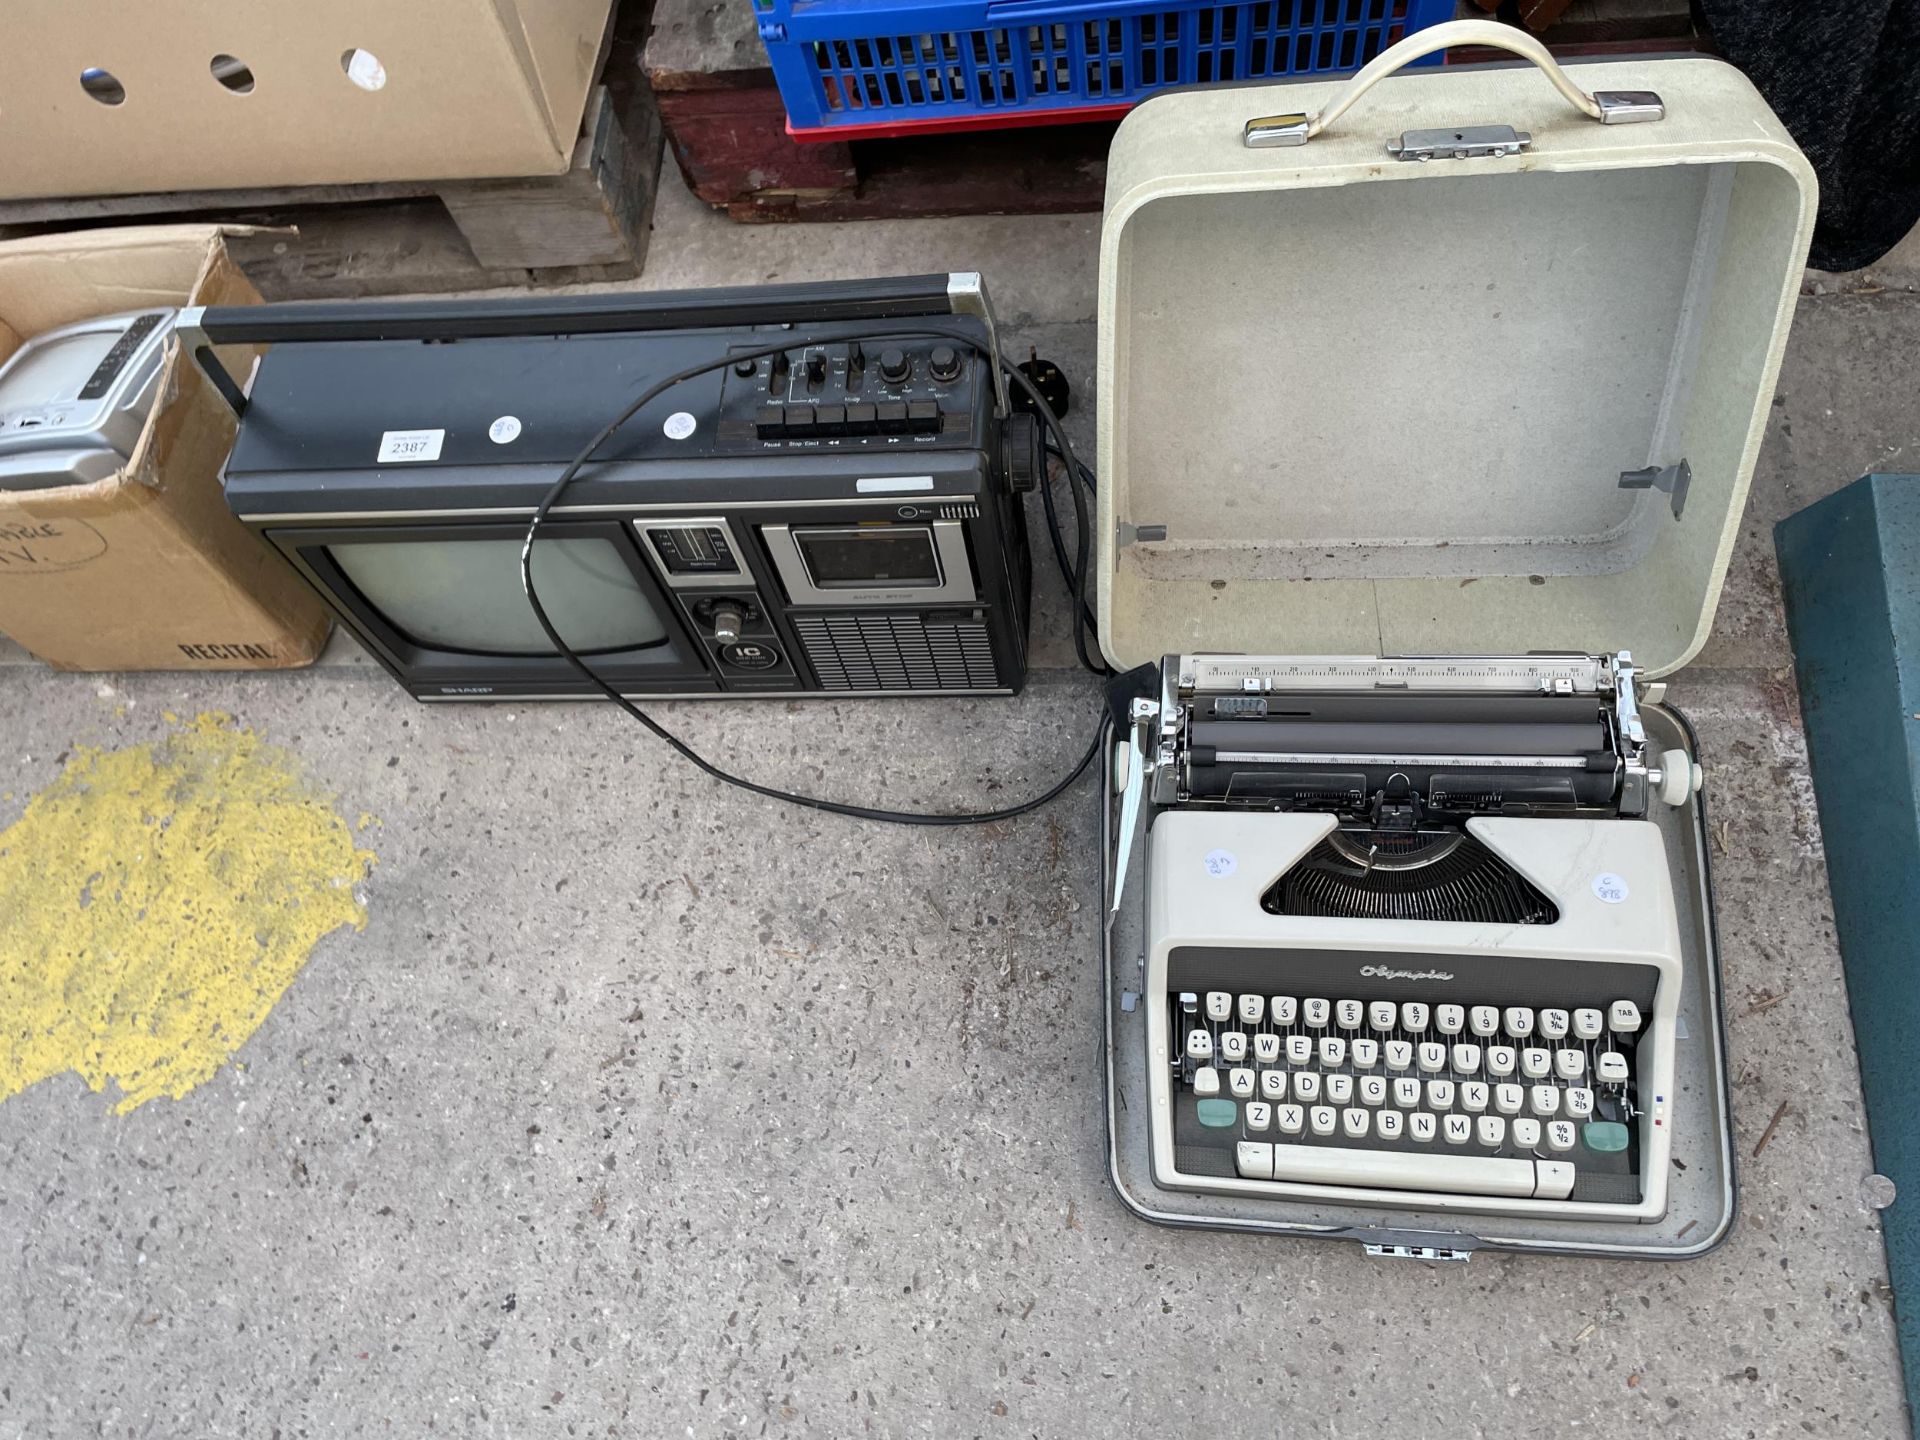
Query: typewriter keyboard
1531,1101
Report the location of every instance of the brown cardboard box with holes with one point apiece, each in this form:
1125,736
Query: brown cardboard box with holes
146,569
99,97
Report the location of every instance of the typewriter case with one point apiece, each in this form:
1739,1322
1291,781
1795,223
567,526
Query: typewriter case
1357,403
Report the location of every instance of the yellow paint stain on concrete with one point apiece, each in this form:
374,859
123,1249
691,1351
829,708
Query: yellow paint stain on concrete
156,901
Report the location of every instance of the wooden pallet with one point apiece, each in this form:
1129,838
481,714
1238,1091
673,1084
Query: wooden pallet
725,121
591,222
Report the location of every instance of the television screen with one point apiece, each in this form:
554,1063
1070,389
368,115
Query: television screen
466,595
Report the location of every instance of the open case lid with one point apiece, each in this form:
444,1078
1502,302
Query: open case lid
1357,404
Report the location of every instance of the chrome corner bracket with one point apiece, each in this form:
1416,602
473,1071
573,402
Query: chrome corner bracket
967,295
189,329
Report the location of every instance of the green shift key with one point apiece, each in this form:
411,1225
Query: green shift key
1606,1136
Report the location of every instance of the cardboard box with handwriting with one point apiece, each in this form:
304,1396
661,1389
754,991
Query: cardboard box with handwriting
145,569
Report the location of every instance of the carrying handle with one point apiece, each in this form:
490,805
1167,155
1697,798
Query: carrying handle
1609,107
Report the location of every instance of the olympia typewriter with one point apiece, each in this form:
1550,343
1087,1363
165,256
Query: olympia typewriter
1412,939
1428,409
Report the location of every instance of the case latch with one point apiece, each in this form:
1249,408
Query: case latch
1673,480
1468,142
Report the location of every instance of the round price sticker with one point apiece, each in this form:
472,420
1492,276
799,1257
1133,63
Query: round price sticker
1610,888
1221,863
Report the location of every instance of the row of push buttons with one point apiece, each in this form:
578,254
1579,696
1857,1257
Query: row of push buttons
885,417
1604,1137
129,341
1622,1016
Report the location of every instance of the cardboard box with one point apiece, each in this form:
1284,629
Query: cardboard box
106,98
147,569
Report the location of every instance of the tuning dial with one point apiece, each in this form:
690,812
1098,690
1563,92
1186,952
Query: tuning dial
895,367
727,621
944,363
745,366
1022,460
816,370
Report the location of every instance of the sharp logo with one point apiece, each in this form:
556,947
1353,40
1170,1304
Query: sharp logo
1387,972
466,689
227,652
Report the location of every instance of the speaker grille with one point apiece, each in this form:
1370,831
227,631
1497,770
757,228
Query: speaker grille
897,652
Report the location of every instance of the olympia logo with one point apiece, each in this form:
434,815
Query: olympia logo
1387,972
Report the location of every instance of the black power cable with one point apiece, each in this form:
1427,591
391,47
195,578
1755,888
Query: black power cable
687,752
1078,477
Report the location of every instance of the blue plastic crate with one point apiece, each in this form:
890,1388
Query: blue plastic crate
853,68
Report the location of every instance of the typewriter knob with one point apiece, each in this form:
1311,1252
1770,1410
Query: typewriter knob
1679,777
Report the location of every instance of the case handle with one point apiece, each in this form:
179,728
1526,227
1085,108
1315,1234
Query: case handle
1609,107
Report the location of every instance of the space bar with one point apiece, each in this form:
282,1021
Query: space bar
1402,1170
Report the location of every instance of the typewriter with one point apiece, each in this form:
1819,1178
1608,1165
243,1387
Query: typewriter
1411,939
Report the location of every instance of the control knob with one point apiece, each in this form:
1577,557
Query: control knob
944,363
1022,459
1679,778
727,621
895,367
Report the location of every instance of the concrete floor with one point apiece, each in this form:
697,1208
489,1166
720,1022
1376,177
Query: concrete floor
645,1108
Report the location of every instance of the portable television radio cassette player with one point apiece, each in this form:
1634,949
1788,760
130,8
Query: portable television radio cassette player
826,501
